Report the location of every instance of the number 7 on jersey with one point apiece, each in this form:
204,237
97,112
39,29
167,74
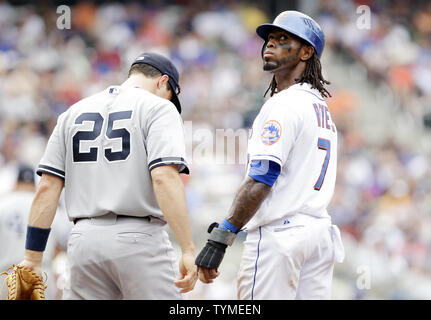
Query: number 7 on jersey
323,144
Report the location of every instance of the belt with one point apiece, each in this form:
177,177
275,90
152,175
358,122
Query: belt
111,215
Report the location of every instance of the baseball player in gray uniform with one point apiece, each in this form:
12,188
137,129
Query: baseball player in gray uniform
119,154
14,210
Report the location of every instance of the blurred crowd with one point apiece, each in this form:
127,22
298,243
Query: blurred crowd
383,194
382,200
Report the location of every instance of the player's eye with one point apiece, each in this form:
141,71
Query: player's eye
270,37
283,37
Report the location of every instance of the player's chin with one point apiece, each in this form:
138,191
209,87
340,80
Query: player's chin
270,65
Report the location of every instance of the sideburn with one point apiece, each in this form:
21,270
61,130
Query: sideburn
286,60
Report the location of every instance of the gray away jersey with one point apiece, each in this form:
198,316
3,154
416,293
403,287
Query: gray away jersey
105,146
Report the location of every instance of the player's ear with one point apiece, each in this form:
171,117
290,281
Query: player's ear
163,87
163,82
306,52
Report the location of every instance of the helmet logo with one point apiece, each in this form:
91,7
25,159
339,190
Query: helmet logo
309,23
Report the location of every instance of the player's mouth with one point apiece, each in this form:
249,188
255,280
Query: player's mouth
268,54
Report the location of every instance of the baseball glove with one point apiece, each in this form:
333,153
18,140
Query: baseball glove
24,284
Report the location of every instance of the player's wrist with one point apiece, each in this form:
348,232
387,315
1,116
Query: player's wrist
189,249
222,234
36,238
33,257
226,225
218,245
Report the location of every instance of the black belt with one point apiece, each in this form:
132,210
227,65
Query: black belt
118,216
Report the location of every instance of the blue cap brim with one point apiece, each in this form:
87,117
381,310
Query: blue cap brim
265,29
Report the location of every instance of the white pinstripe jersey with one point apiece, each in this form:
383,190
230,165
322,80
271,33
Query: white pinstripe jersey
294,128
105,146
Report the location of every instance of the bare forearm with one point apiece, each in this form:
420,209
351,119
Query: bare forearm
171,198
247,201
44,206
43,209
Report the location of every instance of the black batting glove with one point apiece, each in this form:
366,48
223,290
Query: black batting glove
212,254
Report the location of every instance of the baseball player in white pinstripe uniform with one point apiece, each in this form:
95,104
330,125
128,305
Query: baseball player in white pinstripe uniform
291,244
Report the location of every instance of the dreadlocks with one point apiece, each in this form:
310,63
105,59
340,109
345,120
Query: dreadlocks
312,75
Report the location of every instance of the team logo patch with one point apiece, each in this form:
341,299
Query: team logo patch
271,132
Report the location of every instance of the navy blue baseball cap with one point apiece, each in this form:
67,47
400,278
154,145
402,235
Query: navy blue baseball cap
165,66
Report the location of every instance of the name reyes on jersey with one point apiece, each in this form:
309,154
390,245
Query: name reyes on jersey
323,117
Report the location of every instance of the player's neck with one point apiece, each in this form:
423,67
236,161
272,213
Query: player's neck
139,81
286,77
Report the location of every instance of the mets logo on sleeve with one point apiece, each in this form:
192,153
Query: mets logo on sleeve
271,132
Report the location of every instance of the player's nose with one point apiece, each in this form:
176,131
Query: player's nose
271,43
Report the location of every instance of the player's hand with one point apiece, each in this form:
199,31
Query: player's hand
35,267
207,275
209,260
33,261
188,273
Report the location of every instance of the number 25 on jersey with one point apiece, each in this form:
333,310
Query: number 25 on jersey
111,133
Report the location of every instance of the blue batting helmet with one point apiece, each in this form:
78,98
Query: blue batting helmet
298,24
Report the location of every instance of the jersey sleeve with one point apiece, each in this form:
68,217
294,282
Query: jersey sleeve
53,160
274,134
165,138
